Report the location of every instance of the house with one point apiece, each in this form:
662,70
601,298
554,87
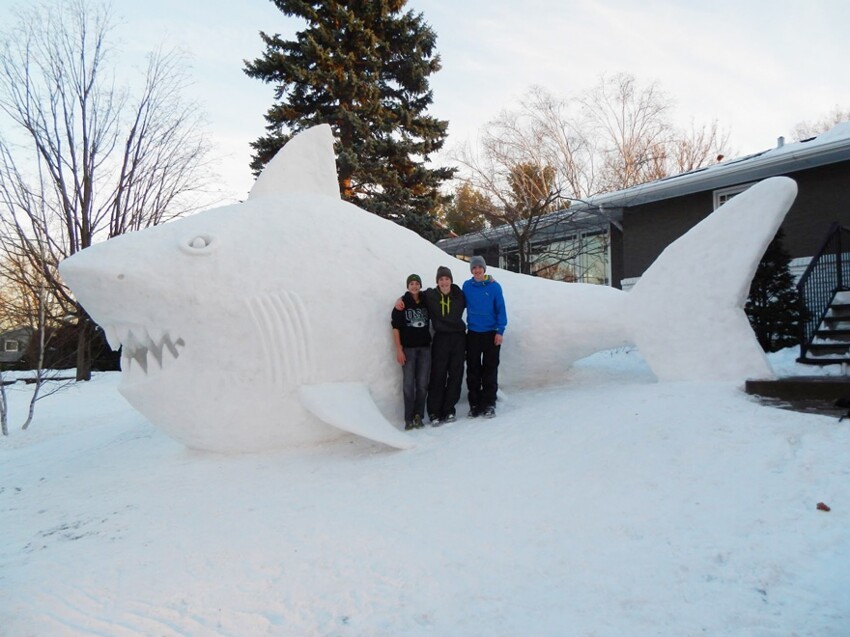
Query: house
13,346
614,237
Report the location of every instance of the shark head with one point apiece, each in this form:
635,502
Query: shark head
206,310
196,321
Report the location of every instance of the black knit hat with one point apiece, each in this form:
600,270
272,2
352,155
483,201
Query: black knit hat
444,271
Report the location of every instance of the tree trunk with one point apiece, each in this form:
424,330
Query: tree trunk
4,424
39,368
84,337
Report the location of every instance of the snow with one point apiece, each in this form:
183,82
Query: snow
608,505
599,502
688,306
306,165
225,317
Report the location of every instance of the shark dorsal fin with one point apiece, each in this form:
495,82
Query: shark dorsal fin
306,165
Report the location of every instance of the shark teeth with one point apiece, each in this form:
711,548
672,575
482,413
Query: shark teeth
145,349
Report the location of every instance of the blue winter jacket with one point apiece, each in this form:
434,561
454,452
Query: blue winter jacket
485,306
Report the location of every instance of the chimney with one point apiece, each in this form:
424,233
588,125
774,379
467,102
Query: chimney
780,142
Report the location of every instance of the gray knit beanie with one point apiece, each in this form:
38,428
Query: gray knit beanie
477,260
444,271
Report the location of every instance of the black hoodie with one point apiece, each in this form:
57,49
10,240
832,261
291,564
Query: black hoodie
412,322
446,310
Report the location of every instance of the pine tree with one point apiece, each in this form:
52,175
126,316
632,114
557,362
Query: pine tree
363,67
773,305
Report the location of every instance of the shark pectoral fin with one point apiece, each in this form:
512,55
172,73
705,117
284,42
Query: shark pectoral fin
349,407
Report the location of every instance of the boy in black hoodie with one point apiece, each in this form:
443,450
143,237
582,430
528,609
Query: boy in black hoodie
412,338
446,305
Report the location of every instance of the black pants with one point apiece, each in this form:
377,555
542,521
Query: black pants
482,369
447,354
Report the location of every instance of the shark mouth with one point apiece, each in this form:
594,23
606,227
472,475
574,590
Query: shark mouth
146,349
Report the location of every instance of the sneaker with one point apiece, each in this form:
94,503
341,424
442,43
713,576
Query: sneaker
489,412
449,418
417,422
408,425
474,412
435,420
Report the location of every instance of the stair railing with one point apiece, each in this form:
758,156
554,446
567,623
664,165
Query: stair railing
827,274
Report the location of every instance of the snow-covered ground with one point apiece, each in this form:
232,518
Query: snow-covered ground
609,506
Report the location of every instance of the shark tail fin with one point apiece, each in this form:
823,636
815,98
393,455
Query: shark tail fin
689,322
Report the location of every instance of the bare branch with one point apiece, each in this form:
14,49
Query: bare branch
83,160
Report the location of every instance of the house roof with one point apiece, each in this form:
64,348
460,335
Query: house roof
827,148
830,147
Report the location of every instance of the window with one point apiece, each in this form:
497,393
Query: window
583,258
10,346
725,194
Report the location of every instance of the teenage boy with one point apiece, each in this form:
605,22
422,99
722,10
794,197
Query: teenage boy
412,338
487,318
446,305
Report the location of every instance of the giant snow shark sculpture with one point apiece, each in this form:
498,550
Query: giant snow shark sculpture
266,323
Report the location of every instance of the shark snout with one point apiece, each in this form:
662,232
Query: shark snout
84,271
119,304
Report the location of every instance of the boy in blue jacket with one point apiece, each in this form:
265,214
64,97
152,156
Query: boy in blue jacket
486,319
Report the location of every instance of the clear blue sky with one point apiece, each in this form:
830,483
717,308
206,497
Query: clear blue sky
758,66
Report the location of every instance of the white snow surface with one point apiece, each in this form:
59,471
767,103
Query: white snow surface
607,505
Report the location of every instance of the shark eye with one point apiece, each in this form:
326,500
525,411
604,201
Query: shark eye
199,244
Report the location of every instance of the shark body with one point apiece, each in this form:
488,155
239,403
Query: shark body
242,329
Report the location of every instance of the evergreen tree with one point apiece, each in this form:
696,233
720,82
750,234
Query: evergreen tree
363,67
773,305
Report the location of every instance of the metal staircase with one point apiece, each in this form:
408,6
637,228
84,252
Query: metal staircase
830,343
824,291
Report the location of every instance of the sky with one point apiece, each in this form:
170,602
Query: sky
758,67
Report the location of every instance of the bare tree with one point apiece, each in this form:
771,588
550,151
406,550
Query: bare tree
86,160
26,303
4,407
697,147
631,130
561,139
806,130
517,186
616,135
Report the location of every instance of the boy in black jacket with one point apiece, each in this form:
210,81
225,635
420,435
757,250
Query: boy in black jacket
412,338
446,305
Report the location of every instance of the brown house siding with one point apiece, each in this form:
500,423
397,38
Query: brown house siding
823,197
650,228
